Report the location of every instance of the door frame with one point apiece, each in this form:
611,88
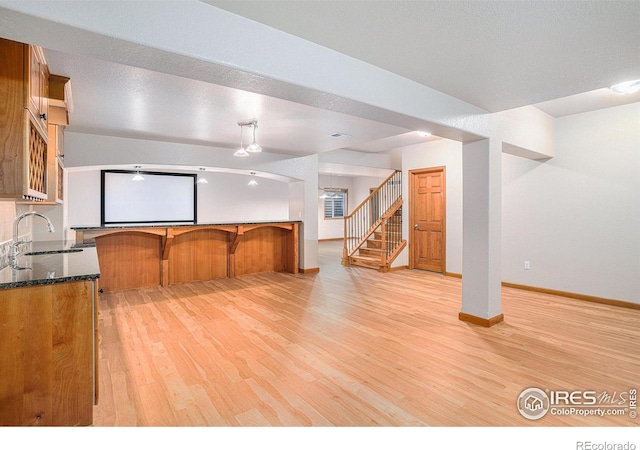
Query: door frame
412,248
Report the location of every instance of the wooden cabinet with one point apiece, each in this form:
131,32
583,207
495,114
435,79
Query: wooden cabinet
38,82
60,100
55,169
23,115
48,353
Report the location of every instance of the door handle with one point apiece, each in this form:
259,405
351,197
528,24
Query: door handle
415,226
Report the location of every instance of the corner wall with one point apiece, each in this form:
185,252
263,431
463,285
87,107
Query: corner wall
576,217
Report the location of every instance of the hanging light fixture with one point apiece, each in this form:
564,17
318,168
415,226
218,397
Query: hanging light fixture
328,192
202,179
137,176
252,181
254,147
241,152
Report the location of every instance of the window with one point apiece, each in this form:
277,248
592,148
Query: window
335,204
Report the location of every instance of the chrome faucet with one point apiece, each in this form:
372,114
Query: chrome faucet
16,243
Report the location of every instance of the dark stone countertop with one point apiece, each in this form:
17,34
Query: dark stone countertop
175,225
47,265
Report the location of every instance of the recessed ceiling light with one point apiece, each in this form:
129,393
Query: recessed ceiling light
628,87
424,133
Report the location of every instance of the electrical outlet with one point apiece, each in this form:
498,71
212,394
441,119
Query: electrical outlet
527,265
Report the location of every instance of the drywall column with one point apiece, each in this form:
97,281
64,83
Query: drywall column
481,222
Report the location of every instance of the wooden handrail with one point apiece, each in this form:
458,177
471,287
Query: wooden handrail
374,211
380,221
392,209
374,192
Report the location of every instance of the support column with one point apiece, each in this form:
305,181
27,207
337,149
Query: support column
481,235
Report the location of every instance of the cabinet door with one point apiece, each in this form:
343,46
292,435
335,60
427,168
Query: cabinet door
38,88
44,97
34,82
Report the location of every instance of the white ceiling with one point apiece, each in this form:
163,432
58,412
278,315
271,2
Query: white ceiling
118,100
495,55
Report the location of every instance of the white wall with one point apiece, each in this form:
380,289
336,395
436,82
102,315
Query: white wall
358,190
7,216
443,152
225,198
333,228
576,217
91,152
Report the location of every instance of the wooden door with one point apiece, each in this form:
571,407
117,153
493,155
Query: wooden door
427,227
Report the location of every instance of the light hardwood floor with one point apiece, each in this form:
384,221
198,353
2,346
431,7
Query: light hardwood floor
351,347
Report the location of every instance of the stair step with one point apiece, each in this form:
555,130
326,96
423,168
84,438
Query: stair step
377,235
374,243
372,252
364,261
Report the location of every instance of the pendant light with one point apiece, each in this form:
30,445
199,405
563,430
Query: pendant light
137,176
254,147
241,152
328,192
202,179
252,181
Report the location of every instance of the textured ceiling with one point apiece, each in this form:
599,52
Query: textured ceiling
118,100
493,54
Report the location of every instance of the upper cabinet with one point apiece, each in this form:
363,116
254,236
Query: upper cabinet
60,101
38,82
30,160
23,139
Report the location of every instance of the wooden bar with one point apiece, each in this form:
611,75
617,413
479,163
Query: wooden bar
140,256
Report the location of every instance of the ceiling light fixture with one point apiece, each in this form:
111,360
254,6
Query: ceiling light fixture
241,152
252,181
329,192
137,176
424,133
254,147
202,179
628,87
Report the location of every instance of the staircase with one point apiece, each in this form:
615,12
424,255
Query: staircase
373,231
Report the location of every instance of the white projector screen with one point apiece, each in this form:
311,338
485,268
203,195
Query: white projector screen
160,198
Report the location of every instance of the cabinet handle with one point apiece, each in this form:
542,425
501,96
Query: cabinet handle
101,291
43,116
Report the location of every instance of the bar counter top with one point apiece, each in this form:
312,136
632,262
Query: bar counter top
177,225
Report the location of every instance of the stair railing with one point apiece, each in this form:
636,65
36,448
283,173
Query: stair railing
391,233
369,215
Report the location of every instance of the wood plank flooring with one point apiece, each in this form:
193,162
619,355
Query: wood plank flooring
351,347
